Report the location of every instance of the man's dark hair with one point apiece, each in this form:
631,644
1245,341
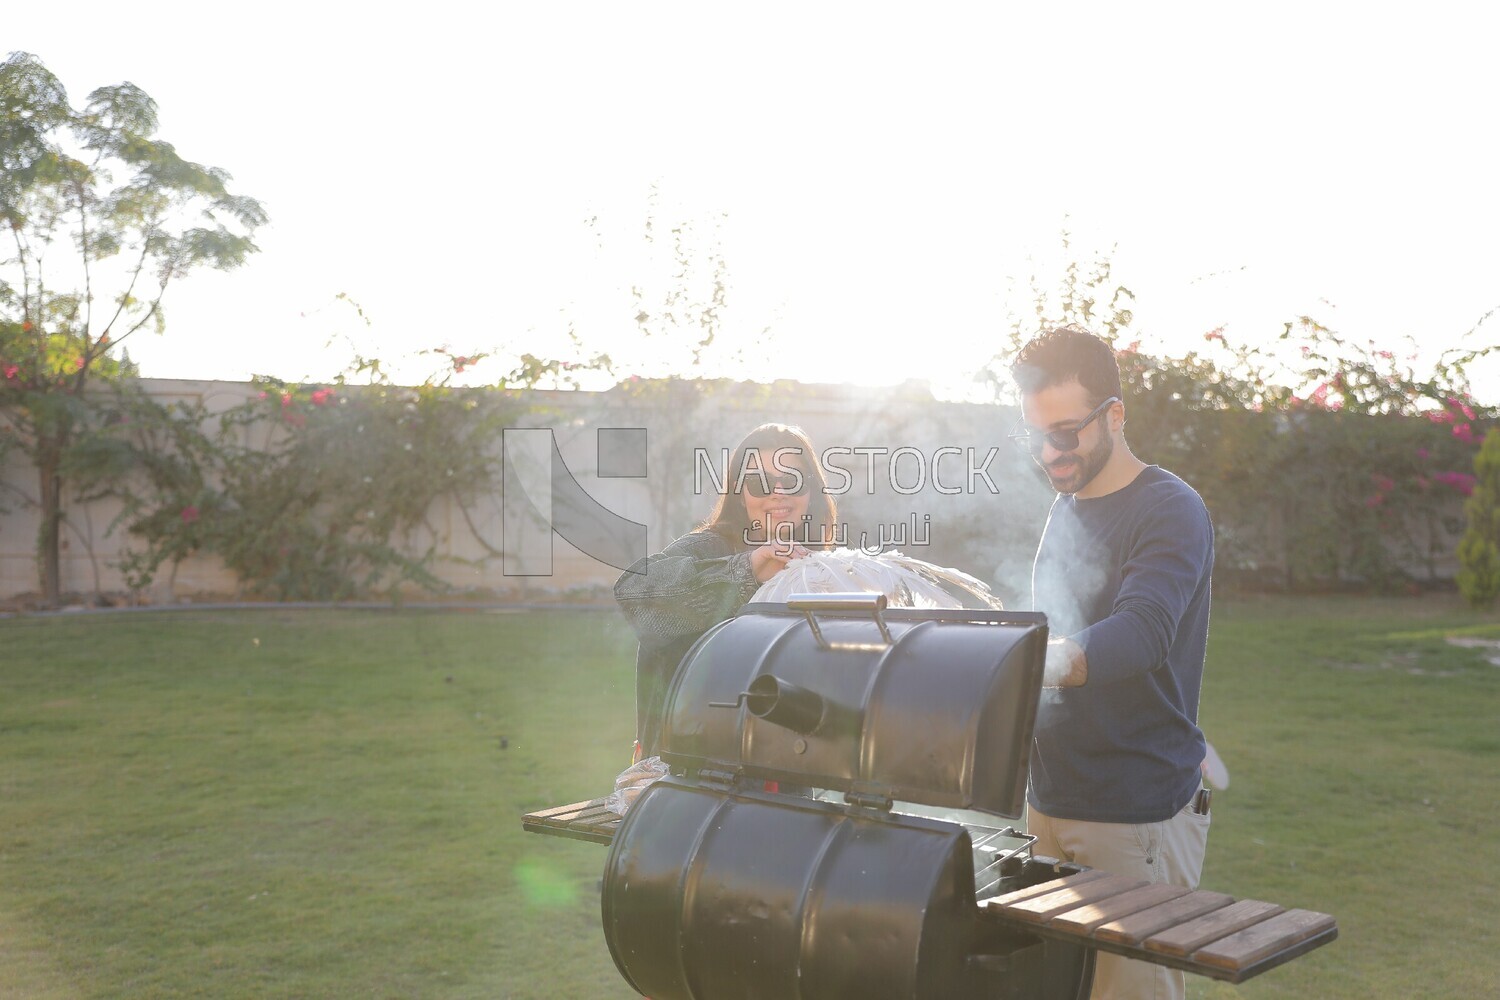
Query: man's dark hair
1063,354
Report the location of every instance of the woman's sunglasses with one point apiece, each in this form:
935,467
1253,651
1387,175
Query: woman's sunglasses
1063,440
758,484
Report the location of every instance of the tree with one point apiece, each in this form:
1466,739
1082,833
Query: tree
1479,549
1092,299
677,376
103,217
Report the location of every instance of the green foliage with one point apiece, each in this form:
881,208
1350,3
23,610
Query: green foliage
304,493
102,217
1324,462
98,182
1479,549
1353,484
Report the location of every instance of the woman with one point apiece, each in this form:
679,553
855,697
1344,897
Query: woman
775,508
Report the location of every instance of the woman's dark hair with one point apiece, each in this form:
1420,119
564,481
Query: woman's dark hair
1066,353
783,446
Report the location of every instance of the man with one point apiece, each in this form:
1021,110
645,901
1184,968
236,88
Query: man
1122,573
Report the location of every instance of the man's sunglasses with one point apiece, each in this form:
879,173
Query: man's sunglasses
758,484
1063,440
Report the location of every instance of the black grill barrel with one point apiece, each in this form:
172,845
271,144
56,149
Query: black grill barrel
716,888
722,886
940,715
710,895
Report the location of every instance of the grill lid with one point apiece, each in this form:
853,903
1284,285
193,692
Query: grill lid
834,691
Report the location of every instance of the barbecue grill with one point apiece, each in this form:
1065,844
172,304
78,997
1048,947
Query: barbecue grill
838,824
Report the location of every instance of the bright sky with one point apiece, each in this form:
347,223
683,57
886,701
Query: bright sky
879,175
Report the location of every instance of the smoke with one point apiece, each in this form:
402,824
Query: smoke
1012,578
1069,580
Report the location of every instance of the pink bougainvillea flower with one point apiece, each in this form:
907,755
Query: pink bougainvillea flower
1440,416
321,396
78,364
1461,481
1461,407
189,514
10,371
1464,433
1422,453
1384,483
261,395
1319,395
286,399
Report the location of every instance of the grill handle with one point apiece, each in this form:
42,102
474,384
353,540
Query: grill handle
810,604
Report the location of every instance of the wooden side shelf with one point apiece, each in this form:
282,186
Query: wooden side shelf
580,821
1207,933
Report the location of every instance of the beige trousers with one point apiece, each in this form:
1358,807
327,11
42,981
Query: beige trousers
1170,851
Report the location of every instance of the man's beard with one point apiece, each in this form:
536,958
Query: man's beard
1080,469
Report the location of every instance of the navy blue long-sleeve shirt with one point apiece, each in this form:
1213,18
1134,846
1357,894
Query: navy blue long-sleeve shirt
1126,576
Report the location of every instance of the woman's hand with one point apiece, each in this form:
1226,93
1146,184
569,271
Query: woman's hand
769,559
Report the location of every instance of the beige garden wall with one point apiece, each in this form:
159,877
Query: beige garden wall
91,544
989,532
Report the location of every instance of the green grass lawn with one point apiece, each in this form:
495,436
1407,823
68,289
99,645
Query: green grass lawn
1364,752
327,804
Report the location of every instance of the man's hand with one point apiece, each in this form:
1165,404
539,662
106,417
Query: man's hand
1067,666
769,559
